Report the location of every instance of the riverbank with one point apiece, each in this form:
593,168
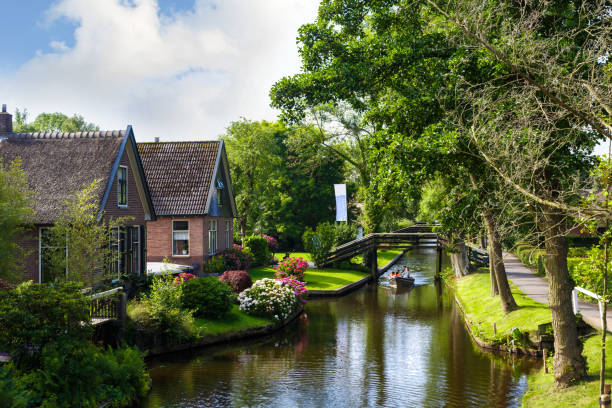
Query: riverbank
236,326
486,322
542,393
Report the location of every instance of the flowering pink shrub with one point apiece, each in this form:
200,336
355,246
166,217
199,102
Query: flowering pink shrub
272,243
238,280
237,258
299,288
183,277
291,267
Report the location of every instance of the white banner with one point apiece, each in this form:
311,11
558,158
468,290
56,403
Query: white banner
340,190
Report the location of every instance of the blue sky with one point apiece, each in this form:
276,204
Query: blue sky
175,69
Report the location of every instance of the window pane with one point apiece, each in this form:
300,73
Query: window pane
122,185
180,225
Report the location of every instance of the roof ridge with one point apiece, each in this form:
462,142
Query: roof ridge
181,141
67,135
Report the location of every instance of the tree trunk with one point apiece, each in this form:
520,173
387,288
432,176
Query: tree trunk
242,228
460,260
496,263
568,363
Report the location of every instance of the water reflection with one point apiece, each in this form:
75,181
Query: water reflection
371,348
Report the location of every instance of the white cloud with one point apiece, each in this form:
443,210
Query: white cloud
179,76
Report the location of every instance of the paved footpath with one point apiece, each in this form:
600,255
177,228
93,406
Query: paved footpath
537,288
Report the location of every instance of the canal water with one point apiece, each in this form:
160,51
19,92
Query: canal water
372,348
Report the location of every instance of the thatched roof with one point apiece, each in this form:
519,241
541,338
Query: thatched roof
179,175
59,164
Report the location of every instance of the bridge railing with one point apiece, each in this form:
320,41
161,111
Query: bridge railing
108,305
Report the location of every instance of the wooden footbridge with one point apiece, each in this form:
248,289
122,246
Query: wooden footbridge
419,235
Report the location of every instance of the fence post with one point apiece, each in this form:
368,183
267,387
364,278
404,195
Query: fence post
575,301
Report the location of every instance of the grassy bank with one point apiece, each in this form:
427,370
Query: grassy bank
482,310
383,256
317,279
234,321
542,393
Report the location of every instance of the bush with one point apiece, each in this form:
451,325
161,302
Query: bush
207,297
269,298
161,311
5,285
183,277
215,265
343,233
291,267
237,280
78,374
298,287
259,247
272,242
319,243
33,315
237,258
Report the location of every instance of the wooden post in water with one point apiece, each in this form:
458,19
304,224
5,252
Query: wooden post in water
438,273
544,357
374,262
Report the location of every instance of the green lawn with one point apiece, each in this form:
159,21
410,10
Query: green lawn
235,321
317,279
542,393
384,256
482,310
305,255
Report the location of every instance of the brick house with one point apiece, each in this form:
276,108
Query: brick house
58,165
193,198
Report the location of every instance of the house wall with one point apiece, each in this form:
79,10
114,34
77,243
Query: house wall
159,239
135,208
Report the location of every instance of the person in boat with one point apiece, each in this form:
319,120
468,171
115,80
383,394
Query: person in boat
405,272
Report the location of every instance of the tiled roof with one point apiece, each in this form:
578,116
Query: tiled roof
179,175
58,164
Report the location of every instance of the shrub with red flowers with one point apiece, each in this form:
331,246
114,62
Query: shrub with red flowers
291,267
299,288
238,280
183,277
4,285
237,258
272,243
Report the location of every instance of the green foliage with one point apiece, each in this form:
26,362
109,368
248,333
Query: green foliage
259,247
162,310
78,226
588,270
214,265
343,233
207,297
281,184
79,374
320,242
15,214
13,392
52,122
34,315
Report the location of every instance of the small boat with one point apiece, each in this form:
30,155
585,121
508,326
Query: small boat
399,282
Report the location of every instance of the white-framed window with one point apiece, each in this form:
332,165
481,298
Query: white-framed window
122,186
48,251
228,234
212,237
180,238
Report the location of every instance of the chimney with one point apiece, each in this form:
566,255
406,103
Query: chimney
6,121
157,140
